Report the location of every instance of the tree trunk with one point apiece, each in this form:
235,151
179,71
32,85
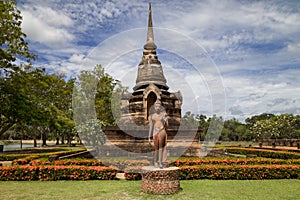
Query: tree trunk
34,136
57,138
44,137
69,140
3,129
63,139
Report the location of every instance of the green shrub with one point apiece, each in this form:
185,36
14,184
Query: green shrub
265,153
10,157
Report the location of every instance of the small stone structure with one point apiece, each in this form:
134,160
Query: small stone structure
280,142
160,181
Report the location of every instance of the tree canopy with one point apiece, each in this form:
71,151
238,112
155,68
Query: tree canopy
12,39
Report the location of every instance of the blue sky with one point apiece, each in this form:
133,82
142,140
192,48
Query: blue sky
248,60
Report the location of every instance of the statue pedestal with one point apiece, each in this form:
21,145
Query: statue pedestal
160,181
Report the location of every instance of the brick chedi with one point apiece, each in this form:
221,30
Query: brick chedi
151,85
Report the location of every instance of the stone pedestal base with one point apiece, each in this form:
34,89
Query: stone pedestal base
160,181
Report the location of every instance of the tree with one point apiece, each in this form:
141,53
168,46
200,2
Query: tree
92,103
233,130
252,120
277,127
53,100
93,96
215,128
189,119
15,102
12,74
204,124
12,39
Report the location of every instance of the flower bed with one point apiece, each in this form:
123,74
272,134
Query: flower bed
51,173
264,153
239,172
67,162
233,161
24,161
222,172
121,165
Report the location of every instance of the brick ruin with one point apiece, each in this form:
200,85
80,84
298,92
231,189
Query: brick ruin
151,85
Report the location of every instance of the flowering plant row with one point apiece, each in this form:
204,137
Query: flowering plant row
67,162
47,173
265,153
222,172
232,161
24,161
240,172
121,165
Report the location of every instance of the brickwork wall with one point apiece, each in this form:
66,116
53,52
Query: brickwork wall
160,181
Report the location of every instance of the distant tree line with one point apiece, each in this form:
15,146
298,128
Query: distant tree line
255,128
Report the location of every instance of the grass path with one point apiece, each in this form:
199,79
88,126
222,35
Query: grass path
115,190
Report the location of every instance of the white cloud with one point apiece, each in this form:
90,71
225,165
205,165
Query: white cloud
272,93
44,25
77,58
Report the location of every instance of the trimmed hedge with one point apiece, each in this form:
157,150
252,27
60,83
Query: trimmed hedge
46,154
121,165
264,153
239,172
133,173
67,162
233,161
222,172
64,152
53,173
26,159
9,157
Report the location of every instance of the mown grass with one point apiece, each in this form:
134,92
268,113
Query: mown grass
196,189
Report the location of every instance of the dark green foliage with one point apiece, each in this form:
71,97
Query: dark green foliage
264,153
12,39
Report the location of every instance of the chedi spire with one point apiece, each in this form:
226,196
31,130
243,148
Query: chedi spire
150,45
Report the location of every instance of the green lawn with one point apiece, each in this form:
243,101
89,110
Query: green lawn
197,189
